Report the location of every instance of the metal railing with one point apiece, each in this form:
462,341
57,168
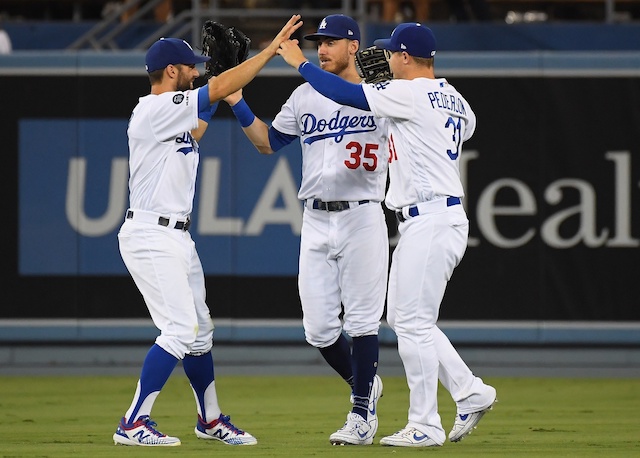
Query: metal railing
189,22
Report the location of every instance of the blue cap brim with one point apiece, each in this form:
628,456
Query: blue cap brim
384,43
198,59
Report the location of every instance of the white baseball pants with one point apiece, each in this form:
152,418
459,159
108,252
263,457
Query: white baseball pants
166,269
429,249
344,260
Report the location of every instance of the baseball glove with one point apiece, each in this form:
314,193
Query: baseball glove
227,47
373,65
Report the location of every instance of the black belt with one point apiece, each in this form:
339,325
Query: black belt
336,206
413,210
162,221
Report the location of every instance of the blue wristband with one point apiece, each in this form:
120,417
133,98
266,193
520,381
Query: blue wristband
243,113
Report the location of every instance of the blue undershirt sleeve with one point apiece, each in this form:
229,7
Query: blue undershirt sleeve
334,87
278,140
203,98
208,112
205,109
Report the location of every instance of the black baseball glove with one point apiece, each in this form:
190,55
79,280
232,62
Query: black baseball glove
227,47
373,65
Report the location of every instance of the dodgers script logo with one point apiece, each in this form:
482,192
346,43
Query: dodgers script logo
187,139
336,127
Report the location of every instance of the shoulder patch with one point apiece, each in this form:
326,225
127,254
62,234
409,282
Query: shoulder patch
381,85
178,98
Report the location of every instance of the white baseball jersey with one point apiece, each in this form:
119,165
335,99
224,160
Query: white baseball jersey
164,156
429,121
344,255
161,258
354,171
424,148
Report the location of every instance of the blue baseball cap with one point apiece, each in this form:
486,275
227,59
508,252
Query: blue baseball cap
411,37
336,26
172,51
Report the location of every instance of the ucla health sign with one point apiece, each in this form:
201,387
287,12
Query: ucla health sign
74,193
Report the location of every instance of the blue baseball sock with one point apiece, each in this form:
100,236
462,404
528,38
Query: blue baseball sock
338,355
200,371
156,369
365,365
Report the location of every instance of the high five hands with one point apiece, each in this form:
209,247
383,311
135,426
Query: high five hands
291,53
289,28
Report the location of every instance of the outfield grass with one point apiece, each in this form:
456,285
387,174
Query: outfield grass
293,417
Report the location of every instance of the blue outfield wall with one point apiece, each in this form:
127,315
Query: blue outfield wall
262,198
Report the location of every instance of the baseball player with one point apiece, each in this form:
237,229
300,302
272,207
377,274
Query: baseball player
344,247
428,122
154,240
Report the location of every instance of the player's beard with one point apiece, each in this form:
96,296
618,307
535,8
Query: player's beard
335,66
184,82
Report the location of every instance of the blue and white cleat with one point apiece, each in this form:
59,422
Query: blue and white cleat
142,432
409,437
223,430
464,424
356,431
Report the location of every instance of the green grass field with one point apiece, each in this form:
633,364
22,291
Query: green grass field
293,417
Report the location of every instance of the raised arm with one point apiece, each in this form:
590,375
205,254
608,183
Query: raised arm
254,128
237,77
327,84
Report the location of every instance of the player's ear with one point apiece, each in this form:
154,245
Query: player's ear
354,46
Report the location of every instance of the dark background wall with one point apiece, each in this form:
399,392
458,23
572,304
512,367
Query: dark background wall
552,177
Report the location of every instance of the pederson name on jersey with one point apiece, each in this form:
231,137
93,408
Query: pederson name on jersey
447,102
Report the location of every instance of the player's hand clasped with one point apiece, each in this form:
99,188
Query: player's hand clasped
291,53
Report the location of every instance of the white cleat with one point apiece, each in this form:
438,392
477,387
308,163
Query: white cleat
142,432
374,397
409,437
223,430
464,424
356,431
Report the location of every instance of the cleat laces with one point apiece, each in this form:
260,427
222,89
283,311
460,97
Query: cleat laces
226,421
150,424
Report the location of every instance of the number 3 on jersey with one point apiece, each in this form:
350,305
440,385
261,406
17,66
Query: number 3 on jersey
456,137
362,156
